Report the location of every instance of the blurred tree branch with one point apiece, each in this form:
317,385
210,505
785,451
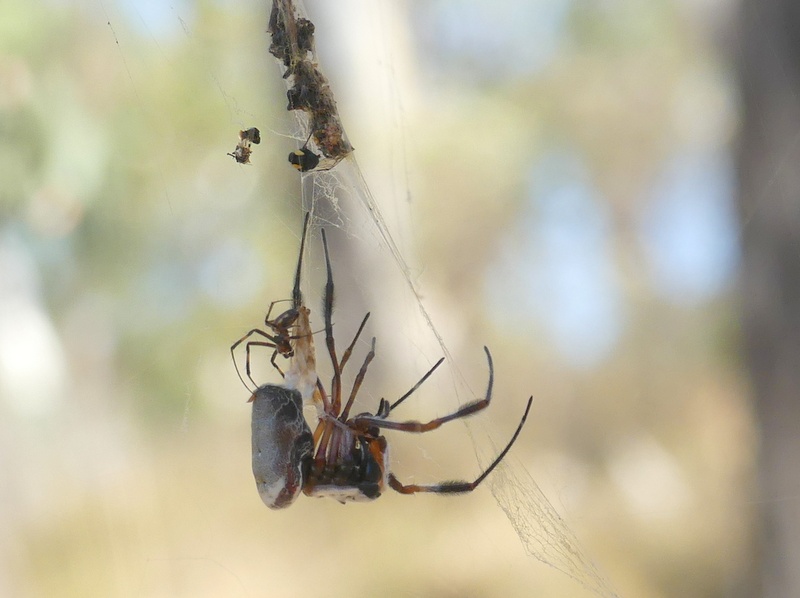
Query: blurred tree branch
769,202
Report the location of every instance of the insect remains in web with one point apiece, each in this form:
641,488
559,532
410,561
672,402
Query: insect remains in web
304,159
308,92
346,457
243,150
281,337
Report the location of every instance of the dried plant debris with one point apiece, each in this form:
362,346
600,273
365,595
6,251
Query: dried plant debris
309,91
242,152
252,134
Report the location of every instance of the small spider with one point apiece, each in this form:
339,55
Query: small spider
281,337
346,457
242,152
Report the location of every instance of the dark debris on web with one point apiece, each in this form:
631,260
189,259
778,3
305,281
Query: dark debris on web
309,90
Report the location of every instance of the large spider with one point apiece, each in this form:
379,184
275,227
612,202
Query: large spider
281,338
346,457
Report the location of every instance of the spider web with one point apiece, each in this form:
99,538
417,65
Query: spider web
544,534
342,198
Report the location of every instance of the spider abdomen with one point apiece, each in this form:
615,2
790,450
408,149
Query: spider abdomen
282,444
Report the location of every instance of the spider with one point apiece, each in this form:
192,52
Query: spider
346,457
281,338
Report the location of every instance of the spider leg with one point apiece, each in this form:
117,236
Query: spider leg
415,426
346,355
326,404
416,386
336,384
239,342
359,379
458,486
271,360
297,297
267,321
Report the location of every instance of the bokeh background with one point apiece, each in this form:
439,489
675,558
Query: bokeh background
563,180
